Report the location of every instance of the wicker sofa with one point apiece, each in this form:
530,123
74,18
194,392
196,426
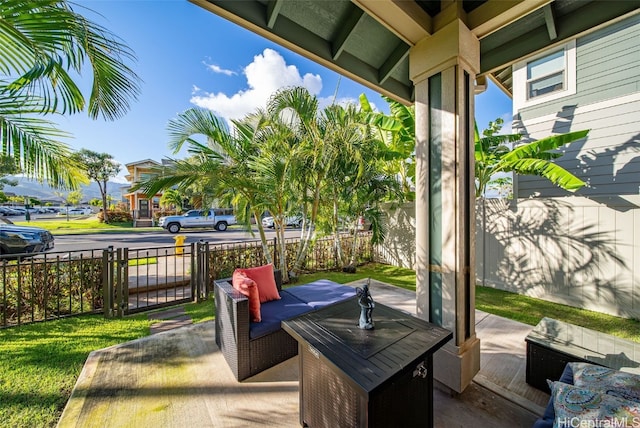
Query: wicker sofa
249,347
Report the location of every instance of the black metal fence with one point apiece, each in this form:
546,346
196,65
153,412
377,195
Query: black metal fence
122,281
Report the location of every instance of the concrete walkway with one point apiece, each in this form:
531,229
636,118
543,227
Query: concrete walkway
178,378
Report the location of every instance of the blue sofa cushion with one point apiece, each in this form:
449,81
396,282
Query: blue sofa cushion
275,311
547,419
321,293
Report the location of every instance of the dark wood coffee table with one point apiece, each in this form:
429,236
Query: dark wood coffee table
365,378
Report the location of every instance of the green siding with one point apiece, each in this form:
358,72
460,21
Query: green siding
607,66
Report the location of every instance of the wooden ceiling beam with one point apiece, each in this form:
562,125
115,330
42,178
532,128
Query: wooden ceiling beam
346,29
405,19
495,14
273,10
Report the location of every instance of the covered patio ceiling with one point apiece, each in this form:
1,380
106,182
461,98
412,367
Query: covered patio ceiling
369,40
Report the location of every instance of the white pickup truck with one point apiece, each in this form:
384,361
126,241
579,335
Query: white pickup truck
214,218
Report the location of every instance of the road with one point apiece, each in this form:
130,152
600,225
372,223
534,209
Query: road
161,238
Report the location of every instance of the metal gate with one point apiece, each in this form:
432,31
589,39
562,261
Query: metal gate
137,280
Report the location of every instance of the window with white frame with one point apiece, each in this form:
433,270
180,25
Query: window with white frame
545,77
546,74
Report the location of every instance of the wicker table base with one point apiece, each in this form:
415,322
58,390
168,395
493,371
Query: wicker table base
365,378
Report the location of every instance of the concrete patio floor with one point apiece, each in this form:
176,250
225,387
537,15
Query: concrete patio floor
178,378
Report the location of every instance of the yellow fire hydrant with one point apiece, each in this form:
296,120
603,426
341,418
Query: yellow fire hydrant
179,244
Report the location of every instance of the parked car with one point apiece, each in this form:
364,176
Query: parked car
217,219
80,211
291,221
24,239
77,211
6,211
18,211
363,223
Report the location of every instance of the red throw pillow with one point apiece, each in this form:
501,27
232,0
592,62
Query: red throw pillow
249,288
263,276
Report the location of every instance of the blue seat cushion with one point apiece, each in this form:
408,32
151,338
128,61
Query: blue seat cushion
275,311
321,293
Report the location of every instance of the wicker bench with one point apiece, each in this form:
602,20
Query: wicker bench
250,348
552,344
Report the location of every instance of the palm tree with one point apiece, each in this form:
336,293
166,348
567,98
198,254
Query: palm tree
298,111
221,165
43,43
171,197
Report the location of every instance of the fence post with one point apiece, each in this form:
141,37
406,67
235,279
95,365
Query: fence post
205,270
123,281
118,282
195,274
107,281
275,251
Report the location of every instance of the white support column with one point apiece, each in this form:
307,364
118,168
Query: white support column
443,69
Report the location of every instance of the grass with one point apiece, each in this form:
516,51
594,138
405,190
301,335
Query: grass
41,362
529,311
79,226
508,305
143,261
404,278
83,225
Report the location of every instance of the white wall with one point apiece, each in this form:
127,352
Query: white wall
569,250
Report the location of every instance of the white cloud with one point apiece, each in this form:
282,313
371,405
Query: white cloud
265,75
324,102
507,125
217,69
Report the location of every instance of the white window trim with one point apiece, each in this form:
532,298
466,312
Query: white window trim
520,88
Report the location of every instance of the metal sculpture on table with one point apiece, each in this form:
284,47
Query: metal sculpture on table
366,307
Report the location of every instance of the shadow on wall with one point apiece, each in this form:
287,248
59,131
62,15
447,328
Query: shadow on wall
558,251
399,248
607,160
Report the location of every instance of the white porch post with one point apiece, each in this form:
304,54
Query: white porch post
443,68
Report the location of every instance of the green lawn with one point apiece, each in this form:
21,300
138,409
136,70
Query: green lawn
41,362
509,305
60,226
79,226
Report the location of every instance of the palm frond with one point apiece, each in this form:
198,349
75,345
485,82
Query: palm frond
196,121
32,142
41,41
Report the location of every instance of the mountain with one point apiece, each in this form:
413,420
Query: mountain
43,191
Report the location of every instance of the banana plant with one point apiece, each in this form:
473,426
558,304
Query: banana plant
493,155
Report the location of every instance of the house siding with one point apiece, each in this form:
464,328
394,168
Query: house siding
607,102
607,63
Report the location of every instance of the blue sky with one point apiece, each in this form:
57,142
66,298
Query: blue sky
190,57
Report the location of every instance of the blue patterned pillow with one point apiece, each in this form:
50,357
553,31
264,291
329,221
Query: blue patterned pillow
613,382
575,406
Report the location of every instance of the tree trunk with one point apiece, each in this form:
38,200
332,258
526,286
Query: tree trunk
304,243
263,239
283,249
103,191
352,261
337,243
